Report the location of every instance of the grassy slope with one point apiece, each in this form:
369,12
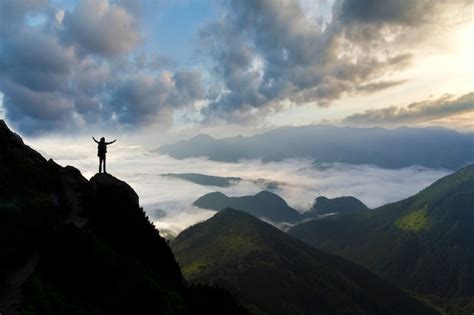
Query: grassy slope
277,274
424,243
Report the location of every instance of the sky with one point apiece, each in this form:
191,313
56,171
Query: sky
152,72
157,70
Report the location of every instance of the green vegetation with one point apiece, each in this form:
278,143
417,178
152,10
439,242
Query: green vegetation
323,205
265,204
414,221
274,273
424,243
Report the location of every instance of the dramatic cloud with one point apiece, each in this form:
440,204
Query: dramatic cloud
407,12
418,112
149,98
267,52
91,65
70,70
99,27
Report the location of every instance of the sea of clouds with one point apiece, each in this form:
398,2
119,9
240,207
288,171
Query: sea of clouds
168,201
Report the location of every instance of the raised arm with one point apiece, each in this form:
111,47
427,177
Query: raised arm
110,142
95,140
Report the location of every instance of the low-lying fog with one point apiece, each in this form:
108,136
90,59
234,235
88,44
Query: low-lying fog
299,182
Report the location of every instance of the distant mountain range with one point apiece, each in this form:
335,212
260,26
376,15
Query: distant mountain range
205,180
271,207
274,273
265,204
402,147
424,243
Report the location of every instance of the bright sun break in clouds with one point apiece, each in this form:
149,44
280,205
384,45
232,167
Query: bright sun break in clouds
111,66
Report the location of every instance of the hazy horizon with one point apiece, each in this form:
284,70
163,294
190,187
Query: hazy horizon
299,181
149,73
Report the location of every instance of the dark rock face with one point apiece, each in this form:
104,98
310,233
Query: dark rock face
113,192
73,246
116,215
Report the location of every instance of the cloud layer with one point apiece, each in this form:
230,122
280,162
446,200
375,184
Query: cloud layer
299,182
68,70
418,112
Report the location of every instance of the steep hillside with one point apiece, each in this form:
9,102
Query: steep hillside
390,148
424,243
72,246
265,205
323,205
276,274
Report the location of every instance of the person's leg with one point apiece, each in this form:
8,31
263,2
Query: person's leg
100,165
104,165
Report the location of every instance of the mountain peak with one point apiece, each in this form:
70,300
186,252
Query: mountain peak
277,274
202,137
323,205
87,243
268,194
109,187
265,204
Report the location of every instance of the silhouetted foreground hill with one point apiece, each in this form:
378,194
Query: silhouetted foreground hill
430,147
72,246
323,205
424,243
265,204
274,273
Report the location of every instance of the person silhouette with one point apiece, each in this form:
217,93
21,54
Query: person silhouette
102,151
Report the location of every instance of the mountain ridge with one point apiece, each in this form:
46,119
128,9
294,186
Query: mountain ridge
390,148
73,246
276,274
264,204
323,205
423,243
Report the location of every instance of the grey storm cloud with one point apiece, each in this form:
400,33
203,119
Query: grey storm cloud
100,27
154,98
86,65
265,52
389,11
12,12
71,69
427,110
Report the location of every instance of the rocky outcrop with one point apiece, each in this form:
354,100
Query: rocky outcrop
73,246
